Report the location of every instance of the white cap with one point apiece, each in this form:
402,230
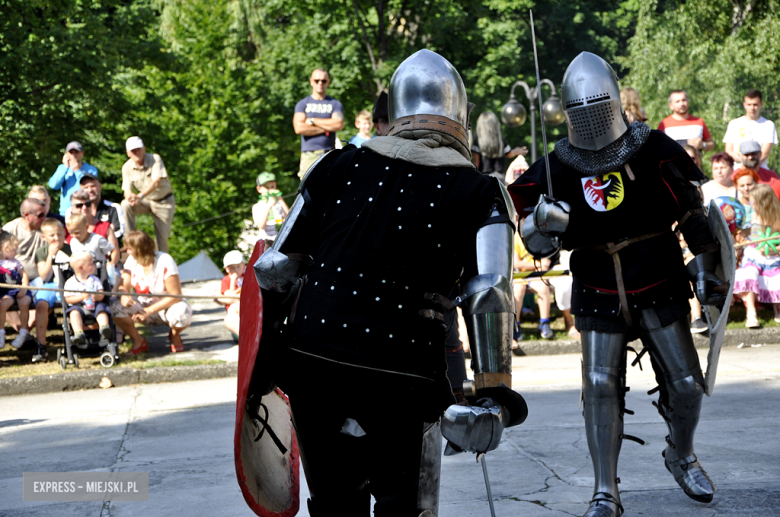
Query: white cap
134,142
232,258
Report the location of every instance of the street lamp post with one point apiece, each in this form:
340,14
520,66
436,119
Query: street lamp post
513,113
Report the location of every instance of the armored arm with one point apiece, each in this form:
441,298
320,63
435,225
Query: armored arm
709,289
489,310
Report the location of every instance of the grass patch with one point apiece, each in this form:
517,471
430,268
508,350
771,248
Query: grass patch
174,362
737,315
23,367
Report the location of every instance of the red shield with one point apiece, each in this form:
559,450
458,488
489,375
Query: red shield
268,479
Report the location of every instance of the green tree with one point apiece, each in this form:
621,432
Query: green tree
58,61
715,50
212,87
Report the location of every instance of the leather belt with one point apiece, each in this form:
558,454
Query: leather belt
612,248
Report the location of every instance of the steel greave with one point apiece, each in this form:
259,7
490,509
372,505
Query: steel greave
675,356
430,470
603,368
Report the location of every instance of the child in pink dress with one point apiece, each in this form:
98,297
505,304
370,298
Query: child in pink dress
759,274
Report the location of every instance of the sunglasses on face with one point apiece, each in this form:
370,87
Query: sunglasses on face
320,81
87,204
39,216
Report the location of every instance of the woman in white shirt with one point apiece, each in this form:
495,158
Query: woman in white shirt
721,184
150,272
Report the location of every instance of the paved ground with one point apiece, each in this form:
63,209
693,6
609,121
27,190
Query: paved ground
181,433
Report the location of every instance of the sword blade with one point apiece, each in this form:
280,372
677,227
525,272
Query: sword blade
541,114
481,459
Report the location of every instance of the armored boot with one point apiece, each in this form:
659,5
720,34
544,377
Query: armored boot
681,381
681,411
602,373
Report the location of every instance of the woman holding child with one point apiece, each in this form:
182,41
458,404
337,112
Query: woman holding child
150,272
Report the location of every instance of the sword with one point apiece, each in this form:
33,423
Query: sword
481,459
539,98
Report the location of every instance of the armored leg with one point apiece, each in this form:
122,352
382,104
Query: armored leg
603,368
430,470
349,458
682,388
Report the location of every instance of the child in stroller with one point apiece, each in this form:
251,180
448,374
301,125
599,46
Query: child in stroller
80,306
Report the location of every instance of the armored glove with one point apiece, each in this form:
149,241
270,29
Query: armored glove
479,428
472,428
551,217
709,289
541,230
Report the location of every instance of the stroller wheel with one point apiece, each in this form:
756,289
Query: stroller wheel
106,360
62,360
76,360
59,354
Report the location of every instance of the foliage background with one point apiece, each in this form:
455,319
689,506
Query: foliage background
211,86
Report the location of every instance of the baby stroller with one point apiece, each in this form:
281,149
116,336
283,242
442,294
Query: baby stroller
95,345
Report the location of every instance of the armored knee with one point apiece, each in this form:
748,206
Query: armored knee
685,393
599,384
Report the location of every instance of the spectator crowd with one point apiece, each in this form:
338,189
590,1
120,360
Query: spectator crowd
88,235
79,248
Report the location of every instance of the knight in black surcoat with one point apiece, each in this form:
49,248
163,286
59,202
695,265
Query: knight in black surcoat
618,190
375,238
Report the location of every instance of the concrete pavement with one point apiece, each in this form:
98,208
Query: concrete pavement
208,339
181,433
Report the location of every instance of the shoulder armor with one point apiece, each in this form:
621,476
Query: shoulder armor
510,206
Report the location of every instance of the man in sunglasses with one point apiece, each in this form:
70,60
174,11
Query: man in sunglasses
103,210
27,230
317,118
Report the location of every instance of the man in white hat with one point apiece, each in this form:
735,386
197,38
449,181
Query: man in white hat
147,190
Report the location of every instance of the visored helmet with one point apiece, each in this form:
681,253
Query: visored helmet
591,101
426,92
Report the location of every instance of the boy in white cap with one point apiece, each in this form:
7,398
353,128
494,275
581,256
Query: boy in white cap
147,190
231,286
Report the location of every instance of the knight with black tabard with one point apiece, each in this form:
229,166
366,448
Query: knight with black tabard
375,238
617,191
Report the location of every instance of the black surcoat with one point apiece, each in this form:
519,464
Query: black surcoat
383,232
611,207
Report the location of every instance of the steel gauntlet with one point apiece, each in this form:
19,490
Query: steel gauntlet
541,230
708,287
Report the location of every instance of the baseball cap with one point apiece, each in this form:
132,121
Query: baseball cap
87,176
265,177
134,142
232,258
749,146
74,145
